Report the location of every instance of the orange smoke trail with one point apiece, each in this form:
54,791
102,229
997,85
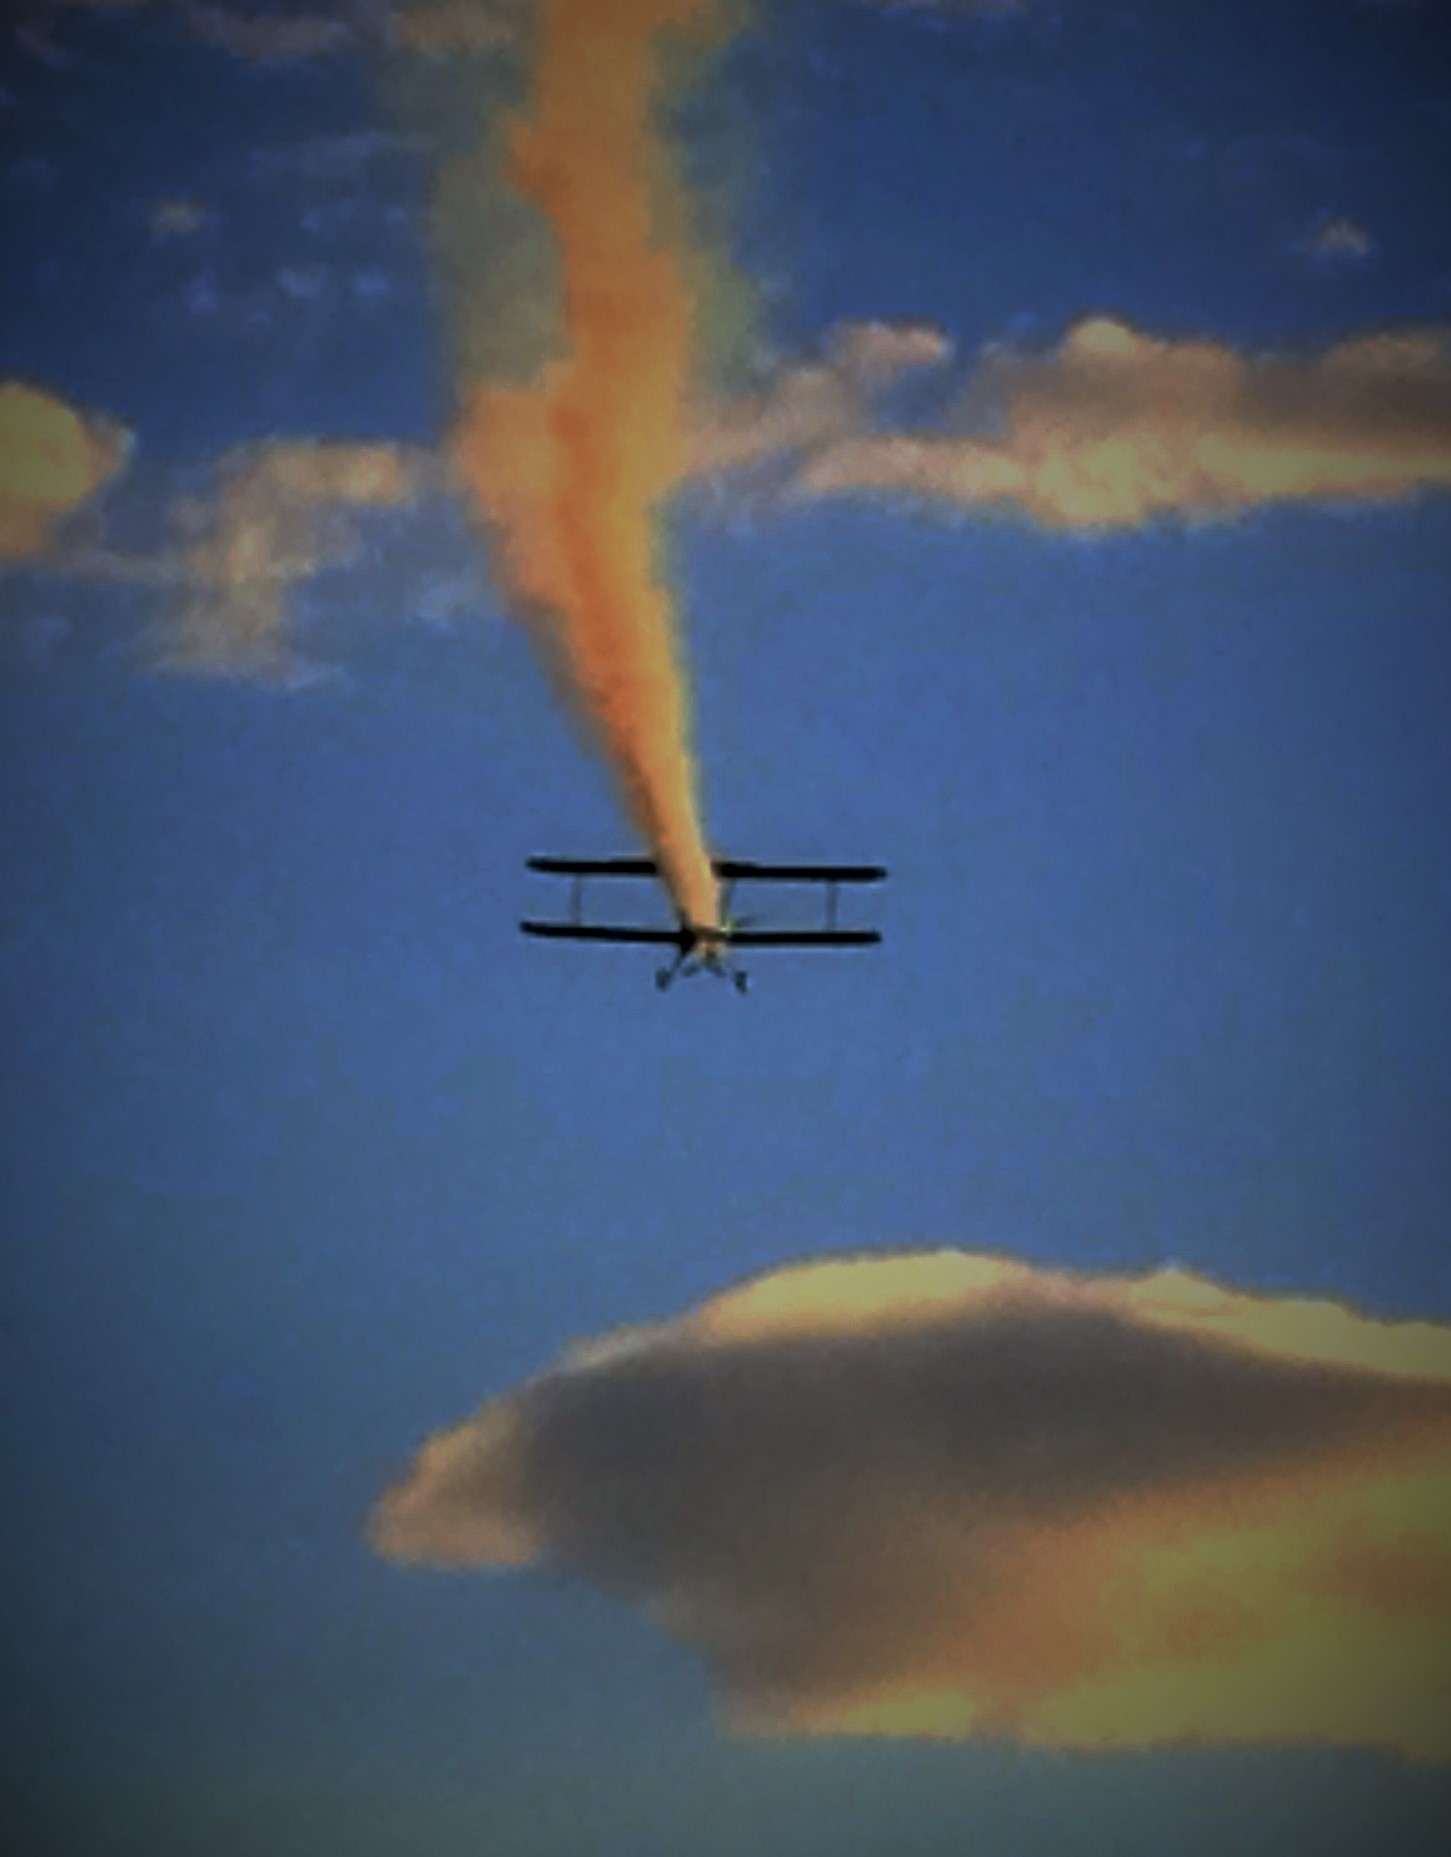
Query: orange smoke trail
573,469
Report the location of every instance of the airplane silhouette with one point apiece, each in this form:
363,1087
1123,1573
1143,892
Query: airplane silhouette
701,949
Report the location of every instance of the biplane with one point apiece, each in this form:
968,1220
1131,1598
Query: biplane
699,949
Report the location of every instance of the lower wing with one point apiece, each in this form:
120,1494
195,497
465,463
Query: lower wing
730,938
586,931
803,938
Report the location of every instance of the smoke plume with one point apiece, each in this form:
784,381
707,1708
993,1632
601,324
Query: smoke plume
571,469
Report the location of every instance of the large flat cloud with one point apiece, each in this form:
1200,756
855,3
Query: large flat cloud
1116,427
950,1495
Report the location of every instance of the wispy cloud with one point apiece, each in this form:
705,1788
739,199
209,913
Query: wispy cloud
949,1495
1337,240
282,512
243,30
176,217
271,38
440,26
990,8
1117,427
227,561
1111,430
349,157
812,406
328,28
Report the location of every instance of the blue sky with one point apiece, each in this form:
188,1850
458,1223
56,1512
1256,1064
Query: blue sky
309,1152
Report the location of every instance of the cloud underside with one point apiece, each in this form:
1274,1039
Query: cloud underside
948,1495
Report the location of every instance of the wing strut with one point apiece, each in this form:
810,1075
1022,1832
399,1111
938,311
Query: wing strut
700,949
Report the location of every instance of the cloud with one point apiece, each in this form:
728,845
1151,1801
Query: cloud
260,34
440,26
1337,241
946,1494
814,406
992,8
330,158
282,512
53,459
176,218
244,30
1117,427
251,30
270,38
224,565
43,7
1111,429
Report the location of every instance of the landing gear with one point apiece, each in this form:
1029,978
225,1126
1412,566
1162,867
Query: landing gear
689,962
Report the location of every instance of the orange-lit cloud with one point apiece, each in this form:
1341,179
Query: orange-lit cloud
571,469
53,459
950,1495
281,512
1117,427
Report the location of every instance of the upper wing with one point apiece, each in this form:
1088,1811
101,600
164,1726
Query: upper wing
803,938
732,869
588,931
595,867
744,868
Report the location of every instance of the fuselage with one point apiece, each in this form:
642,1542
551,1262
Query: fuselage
706,947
